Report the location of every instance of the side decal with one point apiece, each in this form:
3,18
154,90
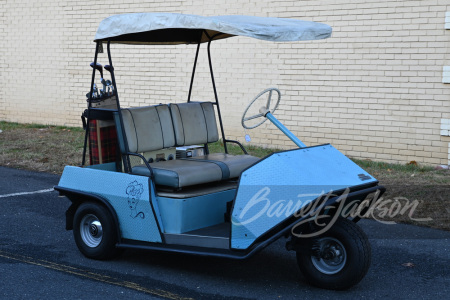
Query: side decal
134,192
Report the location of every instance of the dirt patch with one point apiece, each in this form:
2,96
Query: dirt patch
424,197
46,149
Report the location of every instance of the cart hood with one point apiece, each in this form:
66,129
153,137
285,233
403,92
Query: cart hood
171,28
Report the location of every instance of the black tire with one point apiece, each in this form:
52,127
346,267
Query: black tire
348,262
95,232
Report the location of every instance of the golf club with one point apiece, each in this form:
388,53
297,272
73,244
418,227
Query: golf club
110,69
99,68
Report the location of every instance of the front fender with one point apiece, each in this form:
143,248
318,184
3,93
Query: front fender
274,189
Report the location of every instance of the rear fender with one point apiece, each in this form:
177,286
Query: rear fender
79,197
130,197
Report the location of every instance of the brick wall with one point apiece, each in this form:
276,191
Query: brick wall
374,90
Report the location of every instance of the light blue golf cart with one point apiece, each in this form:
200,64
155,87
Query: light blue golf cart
164,191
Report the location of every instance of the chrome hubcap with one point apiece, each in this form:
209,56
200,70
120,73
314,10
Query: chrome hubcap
91,230
332,256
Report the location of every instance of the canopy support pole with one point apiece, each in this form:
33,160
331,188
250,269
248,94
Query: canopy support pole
125,157
215,90
193,71
86,135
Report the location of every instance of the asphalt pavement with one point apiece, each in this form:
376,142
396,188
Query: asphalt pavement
39,259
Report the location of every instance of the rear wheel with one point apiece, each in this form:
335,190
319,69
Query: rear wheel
339,258
95,232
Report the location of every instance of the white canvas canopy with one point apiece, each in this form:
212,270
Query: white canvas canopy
170,28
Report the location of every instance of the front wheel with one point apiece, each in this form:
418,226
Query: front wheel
339,258
95,232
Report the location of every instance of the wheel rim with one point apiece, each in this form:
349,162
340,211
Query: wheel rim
332,256
91,230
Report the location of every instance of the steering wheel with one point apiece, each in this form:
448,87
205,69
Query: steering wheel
263,110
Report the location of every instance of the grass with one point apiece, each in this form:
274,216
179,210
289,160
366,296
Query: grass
49,148
382,166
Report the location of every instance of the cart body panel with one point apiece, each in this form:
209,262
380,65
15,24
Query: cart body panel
280,185
183,215
128,194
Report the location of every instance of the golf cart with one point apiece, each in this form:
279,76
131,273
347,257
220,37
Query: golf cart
160,188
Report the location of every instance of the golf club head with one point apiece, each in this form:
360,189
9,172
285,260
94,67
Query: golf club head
108,68
98,67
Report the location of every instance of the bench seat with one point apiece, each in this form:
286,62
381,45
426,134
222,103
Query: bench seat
163,126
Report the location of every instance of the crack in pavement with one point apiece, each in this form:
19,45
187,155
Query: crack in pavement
91,275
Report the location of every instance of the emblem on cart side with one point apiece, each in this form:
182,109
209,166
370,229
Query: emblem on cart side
134,192
364,177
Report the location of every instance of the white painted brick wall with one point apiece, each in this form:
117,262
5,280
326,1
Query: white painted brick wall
374,90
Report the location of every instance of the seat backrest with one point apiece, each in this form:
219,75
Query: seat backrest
148,128
194,123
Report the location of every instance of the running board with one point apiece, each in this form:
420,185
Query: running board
216,236
197,241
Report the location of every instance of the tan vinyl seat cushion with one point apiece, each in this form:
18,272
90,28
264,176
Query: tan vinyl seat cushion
197,170
194,123
235,163
148,128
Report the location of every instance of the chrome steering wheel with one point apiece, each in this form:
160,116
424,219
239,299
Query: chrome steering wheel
263,110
